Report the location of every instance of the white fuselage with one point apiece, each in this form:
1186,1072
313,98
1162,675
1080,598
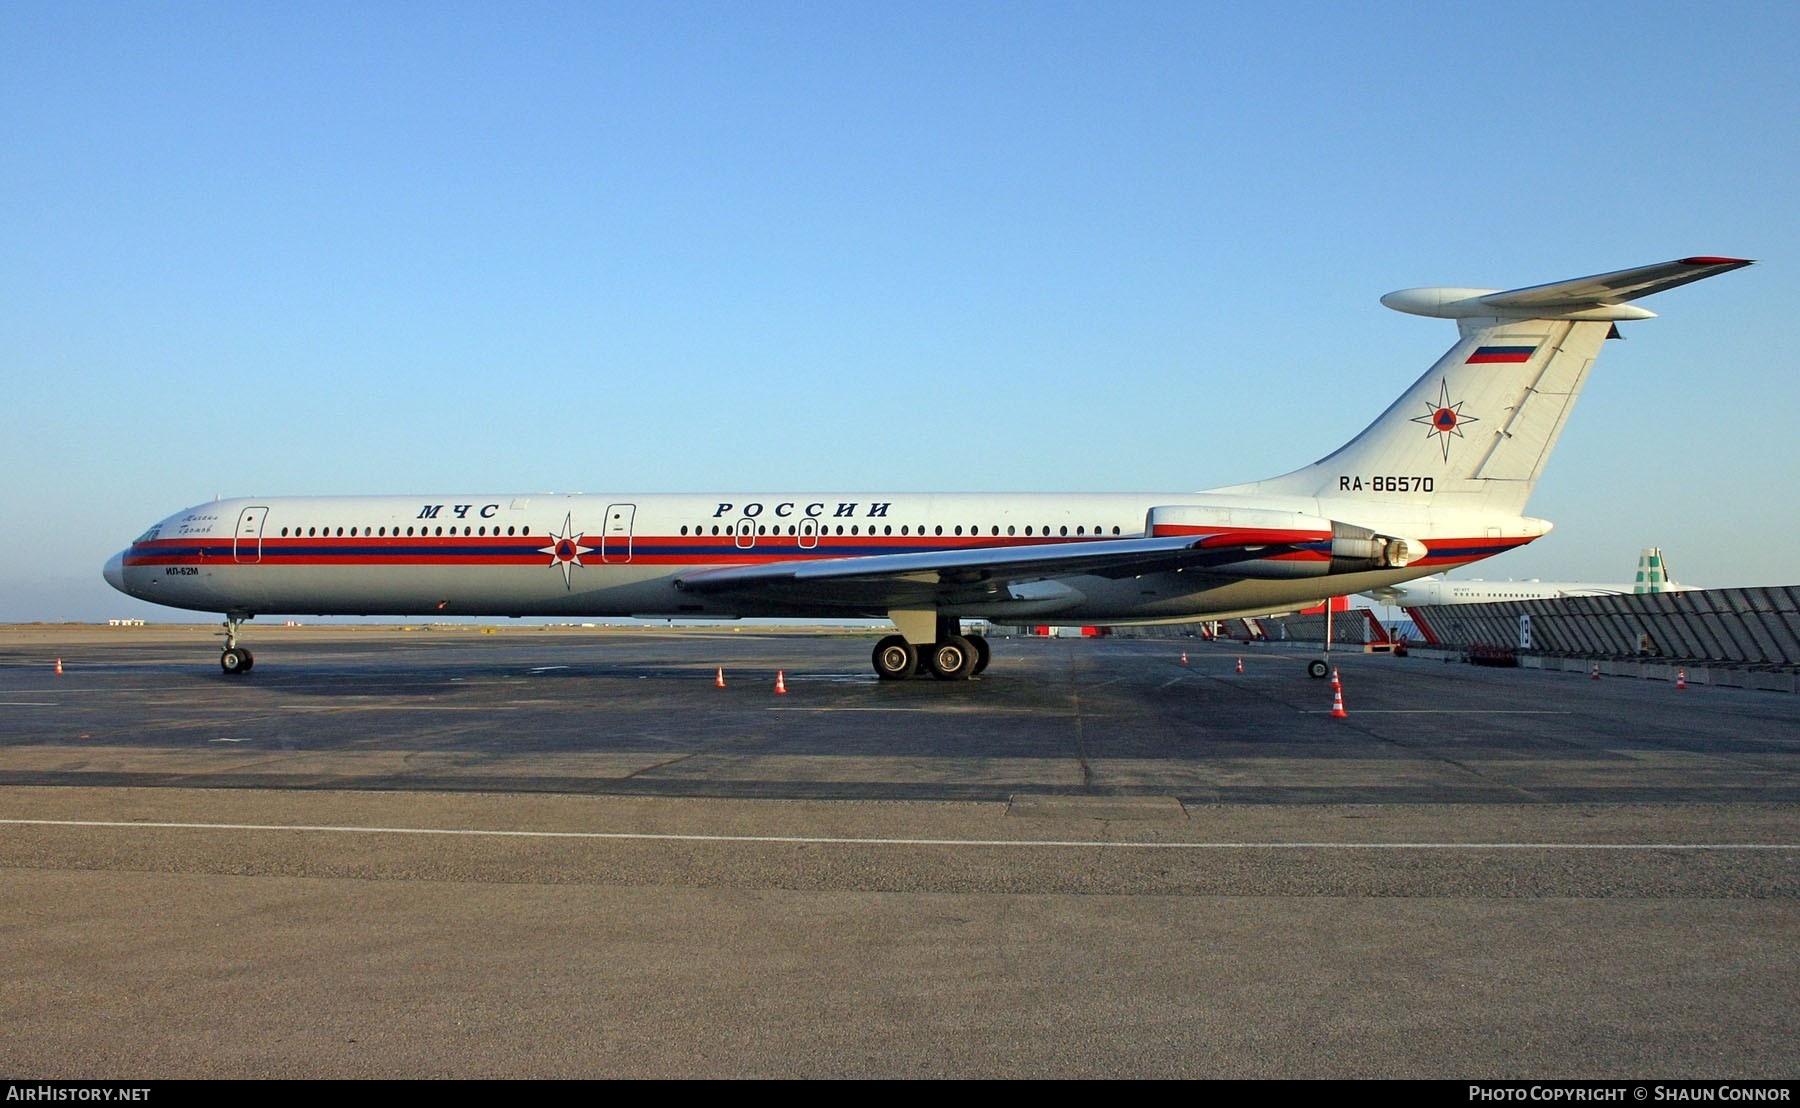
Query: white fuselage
582,555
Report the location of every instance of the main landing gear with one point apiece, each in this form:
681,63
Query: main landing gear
235,659
953,657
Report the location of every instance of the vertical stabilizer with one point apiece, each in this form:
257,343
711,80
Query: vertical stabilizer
1652,572
1475,431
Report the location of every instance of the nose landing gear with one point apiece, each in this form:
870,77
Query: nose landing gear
235,659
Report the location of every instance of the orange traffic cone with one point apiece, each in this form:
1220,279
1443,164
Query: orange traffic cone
1337,702
719,681
1680,678
1184,657
1335,683
59,667
1596,671
780,683
1240,665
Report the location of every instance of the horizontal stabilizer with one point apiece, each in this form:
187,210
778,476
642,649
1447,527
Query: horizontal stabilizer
1601,297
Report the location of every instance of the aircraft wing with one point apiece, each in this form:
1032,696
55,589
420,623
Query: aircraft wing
946,578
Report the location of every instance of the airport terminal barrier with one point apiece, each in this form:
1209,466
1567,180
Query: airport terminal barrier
1742,628
1745,638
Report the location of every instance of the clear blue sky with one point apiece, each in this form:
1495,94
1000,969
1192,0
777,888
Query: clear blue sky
333,248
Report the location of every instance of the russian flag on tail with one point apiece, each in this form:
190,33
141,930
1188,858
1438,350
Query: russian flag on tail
1488,355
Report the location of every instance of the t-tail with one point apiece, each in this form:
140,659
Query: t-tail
1475,431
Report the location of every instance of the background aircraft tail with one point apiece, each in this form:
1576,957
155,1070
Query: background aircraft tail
1475,431
1653,573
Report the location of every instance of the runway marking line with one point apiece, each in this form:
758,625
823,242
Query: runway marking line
394,707
834,709
941,709
1451,712
816,840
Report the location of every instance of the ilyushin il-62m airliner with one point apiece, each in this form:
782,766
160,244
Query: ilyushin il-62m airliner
1439,480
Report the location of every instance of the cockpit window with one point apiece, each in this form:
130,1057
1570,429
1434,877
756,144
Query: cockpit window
148,536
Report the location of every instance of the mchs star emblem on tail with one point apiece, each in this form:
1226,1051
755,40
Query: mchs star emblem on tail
1444,419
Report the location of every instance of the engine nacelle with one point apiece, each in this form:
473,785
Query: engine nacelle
1356,548
1301,545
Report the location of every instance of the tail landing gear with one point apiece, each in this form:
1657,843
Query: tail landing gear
235,659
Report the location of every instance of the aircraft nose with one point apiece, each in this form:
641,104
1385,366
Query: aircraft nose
115,571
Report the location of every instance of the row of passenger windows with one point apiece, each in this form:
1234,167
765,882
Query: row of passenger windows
888,529
717,529
394,532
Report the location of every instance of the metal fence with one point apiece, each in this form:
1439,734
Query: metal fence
1733,627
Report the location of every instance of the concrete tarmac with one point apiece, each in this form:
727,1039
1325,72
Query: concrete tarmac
567,853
